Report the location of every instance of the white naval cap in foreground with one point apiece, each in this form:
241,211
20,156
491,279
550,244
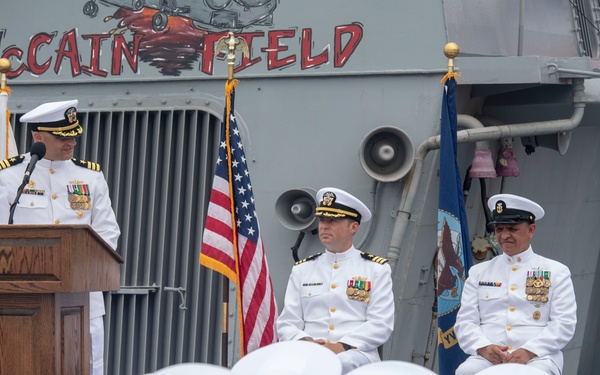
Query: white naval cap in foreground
289,358
512,369
392,368
192,369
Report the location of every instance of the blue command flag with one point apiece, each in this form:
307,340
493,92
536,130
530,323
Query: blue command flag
454,255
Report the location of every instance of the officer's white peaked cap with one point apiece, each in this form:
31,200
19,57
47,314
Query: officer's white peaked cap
509,208
57,118
336,204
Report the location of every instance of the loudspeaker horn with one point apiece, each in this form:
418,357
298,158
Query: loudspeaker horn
295,209
558,142
386,154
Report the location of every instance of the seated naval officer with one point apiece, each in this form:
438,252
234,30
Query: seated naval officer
341,298
61,190
518,307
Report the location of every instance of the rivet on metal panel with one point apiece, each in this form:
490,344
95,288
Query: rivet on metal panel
139,102
164,101
424,275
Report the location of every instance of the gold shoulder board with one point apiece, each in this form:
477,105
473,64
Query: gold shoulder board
312,257
11,161
87,164
373,258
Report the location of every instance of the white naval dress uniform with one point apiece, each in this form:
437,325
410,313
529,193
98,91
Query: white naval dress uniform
495,310
45,201
317,305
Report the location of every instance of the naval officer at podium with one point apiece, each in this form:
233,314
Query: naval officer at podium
61,190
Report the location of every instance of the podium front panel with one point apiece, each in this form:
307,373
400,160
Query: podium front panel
25,322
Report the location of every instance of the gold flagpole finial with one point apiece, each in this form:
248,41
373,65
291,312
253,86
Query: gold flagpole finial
451,51
231,43
4,68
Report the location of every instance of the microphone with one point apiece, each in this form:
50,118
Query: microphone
37,151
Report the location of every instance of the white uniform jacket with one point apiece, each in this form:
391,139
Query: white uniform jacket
317,302
46,200
498,308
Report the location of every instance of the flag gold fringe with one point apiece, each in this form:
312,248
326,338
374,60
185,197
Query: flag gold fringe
449,75
6,90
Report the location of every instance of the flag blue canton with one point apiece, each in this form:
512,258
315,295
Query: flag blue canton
245,213
454,255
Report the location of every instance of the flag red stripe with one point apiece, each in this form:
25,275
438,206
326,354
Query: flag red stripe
218,255
257,294
269,335
221,230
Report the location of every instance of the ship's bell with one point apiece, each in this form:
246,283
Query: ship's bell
507,163
482,165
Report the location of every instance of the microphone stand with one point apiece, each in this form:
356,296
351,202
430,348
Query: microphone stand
38,150
13,206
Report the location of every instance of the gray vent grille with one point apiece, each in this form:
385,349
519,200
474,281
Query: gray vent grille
586,16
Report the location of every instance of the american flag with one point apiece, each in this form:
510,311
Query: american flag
8,147
232,244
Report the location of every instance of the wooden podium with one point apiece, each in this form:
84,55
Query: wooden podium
46,274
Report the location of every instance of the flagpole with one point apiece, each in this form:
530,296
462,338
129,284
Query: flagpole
4,68
8,146
454,253
230,43
451,50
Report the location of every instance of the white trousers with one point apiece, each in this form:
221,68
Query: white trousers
476,363
352,359
97,346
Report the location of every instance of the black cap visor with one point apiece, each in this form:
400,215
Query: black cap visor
513,217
